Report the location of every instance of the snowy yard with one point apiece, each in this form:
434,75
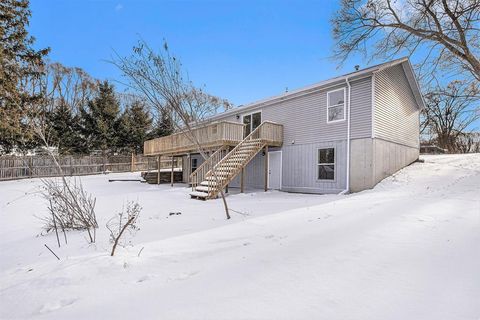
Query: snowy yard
408,249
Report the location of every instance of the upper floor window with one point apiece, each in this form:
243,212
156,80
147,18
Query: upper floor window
336,105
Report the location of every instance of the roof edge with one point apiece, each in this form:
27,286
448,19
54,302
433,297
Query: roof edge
318,86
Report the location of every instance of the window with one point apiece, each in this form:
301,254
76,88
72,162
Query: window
194,164
251,122
326,164
214,129
336,105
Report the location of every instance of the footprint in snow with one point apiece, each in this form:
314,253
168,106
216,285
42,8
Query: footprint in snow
55,305
185,275
143,279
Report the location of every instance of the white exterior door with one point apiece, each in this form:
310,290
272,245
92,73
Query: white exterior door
275,170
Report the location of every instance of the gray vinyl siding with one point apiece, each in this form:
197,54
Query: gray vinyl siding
300,165
305,126
396,115
254,173
361,109
304,118
299,169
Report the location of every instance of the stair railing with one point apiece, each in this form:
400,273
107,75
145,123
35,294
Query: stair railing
198,175
266,132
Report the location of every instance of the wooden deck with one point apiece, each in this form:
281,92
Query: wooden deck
211,136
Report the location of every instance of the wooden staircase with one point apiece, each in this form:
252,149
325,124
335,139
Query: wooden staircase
223,169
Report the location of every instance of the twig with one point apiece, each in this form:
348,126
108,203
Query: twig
138,255
54,223
51,251
240,212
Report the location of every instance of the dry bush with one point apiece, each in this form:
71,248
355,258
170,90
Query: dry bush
70,206
125,220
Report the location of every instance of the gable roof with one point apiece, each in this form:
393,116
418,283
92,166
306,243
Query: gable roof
405,62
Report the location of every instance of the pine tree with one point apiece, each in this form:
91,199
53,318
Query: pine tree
19,64
163,126
135,124
100,121
63,130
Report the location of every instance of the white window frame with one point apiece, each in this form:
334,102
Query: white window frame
337,105
251,119
327,164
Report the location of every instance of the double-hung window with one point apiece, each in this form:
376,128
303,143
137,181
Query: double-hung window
326,164
336,105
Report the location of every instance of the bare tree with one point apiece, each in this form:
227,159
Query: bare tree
159,78
449,112
70,207
445,32
468,142
70,86
124,221
69,204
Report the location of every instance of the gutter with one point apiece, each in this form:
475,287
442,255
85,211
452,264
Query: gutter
347,182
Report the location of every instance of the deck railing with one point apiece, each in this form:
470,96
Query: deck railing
266,134
209,136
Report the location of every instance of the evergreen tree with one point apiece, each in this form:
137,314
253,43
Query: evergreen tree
63,130
135,124
100,121
20,65
163,126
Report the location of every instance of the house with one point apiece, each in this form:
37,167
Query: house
340,135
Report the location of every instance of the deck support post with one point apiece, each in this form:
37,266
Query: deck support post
242,180
171,175
189,168
266,169
158,168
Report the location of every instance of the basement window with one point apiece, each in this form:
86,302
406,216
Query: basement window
336,105
326,164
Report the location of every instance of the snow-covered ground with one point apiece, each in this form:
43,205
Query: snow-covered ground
408,249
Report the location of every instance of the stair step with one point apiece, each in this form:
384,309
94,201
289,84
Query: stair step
225,167
199,194
202,188
248,149
208,183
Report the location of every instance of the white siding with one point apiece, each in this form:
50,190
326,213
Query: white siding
396,116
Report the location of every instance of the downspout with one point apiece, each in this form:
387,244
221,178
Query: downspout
347,186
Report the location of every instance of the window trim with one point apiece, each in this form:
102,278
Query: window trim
337,105
326,164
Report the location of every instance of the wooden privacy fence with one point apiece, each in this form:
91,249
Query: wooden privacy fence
19,167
